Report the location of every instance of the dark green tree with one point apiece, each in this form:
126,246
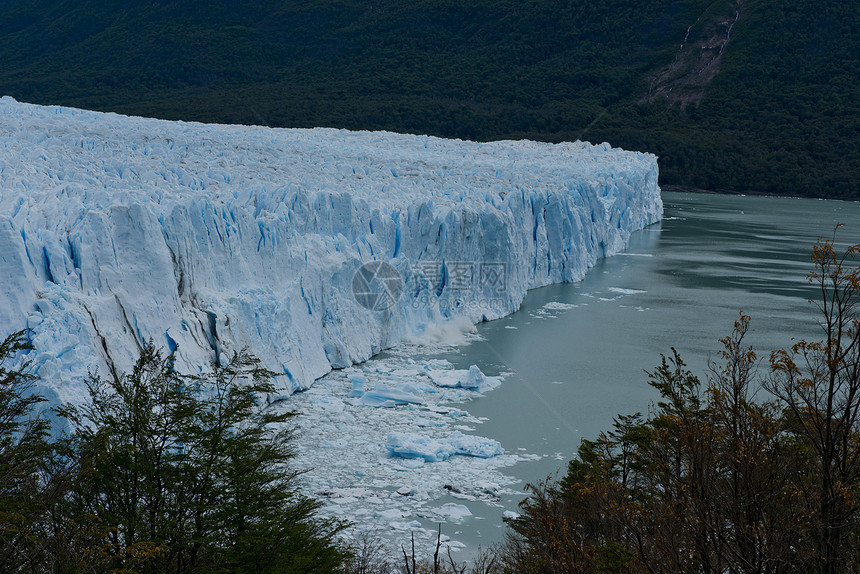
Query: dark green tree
189,474
24,457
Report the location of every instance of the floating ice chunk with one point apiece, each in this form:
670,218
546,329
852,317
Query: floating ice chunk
358,381
488,488
385,396
557,306
478,446
446,378
472,379
623,291
413,446
410,445
510,514
452,511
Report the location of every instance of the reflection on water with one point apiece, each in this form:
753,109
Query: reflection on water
577,353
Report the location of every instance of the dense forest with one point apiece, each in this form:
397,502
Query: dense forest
732,95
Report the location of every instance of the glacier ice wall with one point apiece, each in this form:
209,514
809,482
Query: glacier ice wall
205,238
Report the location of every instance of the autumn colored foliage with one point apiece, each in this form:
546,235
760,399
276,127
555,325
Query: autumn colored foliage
753,470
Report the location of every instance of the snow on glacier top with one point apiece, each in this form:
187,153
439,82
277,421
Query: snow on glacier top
115,230
105,159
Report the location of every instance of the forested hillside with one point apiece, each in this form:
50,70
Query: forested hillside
739,95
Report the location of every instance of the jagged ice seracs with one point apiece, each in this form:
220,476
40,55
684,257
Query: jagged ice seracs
208,239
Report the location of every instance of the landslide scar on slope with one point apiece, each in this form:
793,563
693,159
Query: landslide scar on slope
686,79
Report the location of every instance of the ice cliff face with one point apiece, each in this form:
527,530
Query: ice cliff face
117,230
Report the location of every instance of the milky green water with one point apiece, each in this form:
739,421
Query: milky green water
681,283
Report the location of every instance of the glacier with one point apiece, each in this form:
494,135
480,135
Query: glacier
313,248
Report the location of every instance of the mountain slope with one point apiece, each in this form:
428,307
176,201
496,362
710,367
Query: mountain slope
741,95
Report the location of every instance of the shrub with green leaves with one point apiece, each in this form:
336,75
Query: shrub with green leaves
25,455
188,474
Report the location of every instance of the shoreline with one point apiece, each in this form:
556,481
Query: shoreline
673,188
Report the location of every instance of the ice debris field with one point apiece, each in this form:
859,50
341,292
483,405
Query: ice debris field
315,249
397,469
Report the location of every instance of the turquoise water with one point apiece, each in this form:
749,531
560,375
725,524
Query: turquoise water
575,365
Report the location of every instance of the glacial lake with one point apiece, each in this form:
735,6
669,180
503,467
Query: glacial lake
573,357
577,353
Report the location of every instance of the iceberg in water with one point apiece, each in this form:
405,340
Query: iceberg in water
357,381
452,511
471,378
412,445
314,248
386,396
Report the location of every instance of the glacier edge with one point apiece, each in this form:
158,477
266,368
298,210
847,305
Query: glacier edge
207,239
